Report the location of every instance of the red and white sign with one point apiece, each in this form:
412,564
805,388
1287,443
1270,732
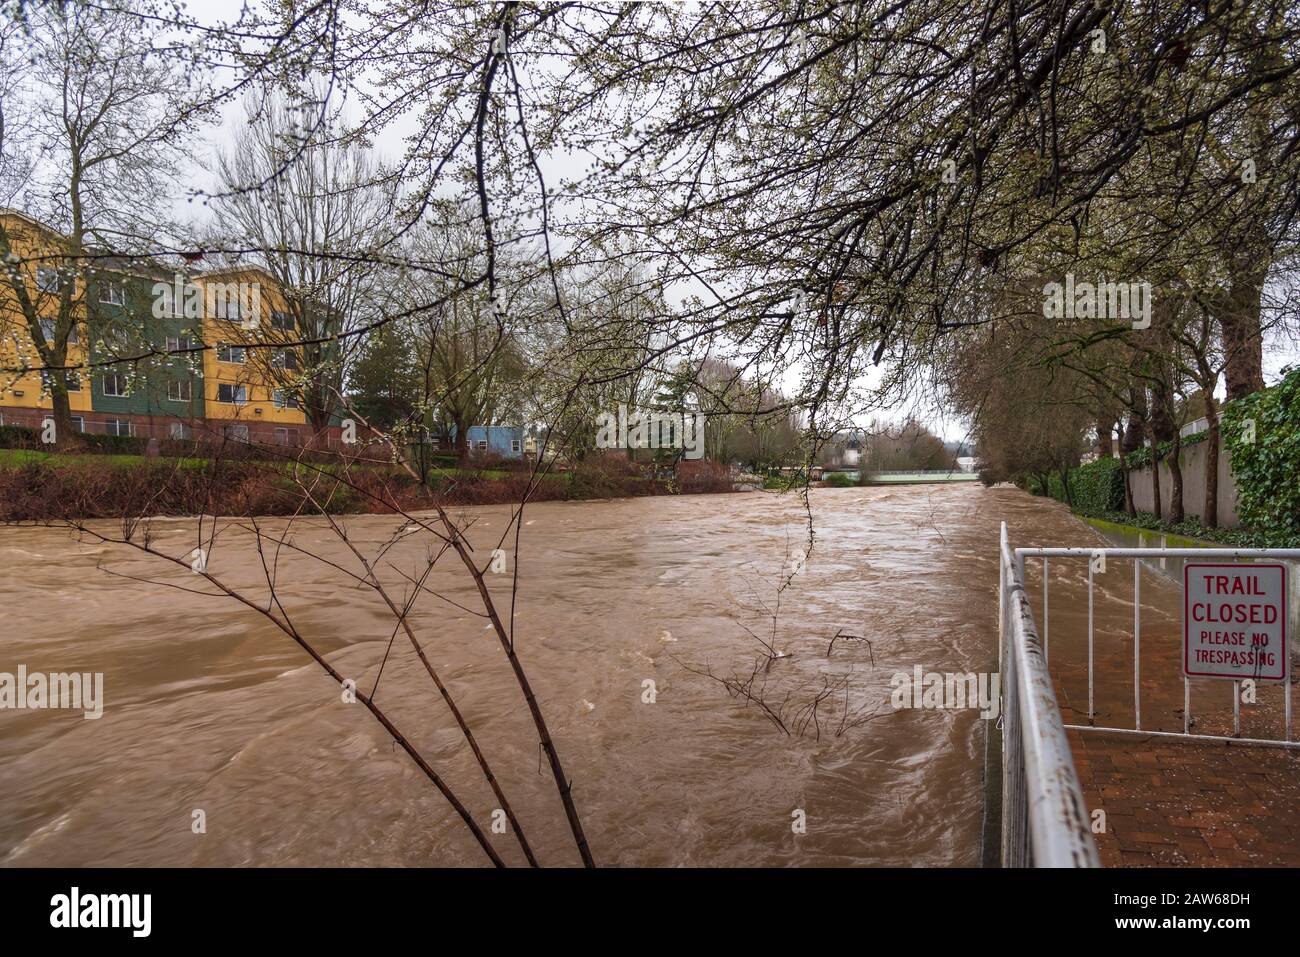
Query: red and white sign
1234,621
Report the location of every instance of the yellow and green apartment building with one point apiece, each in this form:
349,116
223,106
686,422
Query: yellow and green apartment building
128,308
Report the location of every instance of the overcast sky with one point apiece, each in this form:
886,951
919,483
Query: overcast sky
389,145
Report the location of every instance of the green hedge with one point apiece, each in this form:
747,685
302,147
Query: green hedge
1097,487
21,437
113,444
1266,458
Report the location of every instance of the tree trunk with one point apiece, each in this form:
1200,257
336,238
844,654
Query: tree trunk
1176,479
1129,508
63,434
1164,429
1157,508
1210,510
1131,438
462,443
1065,484
1243,343
319,410
1105,444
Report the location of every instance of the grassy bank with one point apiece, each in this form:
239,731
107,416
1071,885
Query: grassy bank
42,486
1191,533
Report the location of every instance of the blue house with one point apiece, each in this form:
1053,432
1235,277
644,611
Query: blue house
506,441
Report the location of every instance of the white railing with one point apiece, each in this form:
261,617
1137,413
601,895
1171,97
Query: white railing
1163,554
1045,821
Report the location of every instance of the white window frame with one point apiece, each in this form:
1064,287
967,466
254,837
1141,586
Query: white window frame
229,354
48,330
116,425
177,343
239,432
47,279
115,376
236,390
480,445
516,445
178,431
281,400
115,291
79,423
185,394
223,307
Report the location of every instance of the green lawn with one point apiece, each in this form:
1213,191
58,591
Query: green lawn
14,458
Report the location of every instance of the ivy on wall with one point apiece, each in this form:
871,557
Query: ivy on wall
1141,458
1262,433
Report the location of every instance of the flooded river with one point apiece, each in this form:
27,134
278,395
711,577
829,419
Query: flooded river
209,708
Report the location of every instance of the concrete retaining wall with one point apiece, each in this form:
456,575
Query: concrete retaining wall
1192,459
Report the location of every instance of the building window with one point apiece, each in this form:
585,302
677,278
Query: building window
115,384
112,293
229,353
49,331
227,302
237,432
177,343
79,423
481,445
117,427
516,445
286,436
284,400
178,430
180,390
72,382
47,279
237,394
281,320
284,359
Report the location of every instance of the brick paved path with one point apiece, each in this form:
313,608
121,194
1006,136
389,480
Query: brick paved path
1173,803
1168,802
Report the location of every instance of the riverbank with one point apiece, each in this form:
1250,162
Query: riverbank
1190,533
40,486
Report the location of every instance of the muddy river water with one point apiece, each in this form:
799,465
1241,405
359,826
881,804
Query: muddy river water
208,707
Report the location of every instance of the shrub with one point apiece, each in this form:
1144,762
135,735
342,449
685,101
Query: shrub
19,437
838,480
601,476
694,476
1096,487
112,444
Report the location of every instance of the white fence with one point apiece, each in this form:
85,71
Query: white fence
1045,821
1163,554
